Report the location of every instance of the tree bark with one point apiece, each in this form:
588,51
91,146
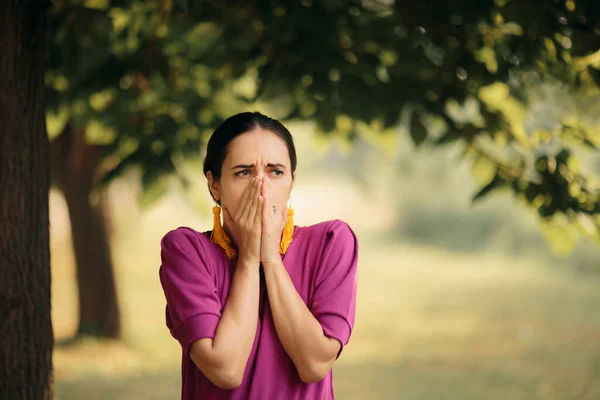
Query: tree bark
75,165
26,338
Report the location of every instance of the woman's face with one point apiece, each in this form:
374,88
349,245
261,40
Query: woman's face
259,153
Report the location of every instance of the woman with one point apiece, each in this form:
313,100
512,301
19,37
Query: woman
261,308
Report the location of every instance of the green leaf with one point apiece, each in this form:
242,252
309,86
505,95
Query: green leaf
183,4
589,143
154,185
446,138
595,74
120,166
96,133
418,132
495,183
97,4
56,121
146,69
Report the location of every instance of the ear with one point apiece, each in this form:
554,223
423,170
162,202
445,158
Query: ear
214,186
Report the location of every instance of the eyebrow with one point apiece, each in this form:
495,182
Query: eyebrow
248,166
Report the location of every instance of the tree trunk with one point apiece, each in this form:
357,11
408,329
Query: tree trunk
25,326
75,164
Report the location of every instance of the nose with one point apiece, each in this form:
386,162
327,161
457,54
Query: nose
261,173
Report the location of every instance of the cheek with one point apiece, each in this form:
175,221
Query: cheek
231,192
281,190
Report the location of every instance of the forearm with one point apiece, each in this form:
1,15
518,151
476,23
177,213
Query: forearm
299,332
226,355
237,327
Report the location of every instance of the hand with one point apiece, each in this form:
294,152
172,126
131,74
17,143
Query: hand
273,221
245,226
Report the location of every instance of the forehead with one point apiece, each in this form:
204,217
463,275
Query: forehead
257,146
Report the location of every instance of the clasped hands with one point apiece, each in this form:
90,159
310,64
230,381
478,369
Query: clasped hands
257,224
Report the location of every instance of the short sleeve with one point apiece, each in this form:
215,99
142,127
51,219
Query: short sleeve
193,306
334,299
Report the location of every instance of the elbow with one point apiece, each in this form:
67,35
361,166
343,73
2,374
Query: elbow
226,376
227,379
314,372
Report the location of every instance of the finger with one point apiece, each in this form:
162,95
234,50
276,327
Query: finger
267,192
279,210
267,187
256,205
246,205
247,191
252,201
265,210
244,200
259,210
275,211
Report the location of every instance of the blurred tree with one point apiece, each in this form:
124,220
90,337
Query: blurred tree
142,84
126,86
25,326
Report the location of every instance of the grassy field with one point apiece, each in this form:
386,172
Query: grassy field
431,323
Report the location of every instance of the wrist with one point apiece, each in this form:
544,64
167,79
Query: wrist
248,264
272,262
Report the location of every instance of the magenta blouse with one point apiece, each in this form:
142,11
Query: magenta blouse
196,276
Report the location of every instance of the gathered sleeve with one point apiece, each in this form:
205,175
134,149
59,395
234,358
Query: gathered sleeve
334,299
193,306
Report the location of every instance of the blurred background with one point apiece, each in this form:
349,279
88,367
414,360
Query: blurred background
457,138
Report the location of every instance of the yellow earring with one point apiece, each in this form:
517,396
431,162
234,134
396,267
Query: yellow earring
218,235
288,231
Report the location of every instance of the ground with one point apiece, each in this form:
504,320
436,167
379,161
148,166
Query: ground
431,323
455,302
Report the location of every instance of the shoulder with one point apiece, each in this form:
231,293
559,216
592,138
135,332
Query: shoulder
184,239
186,255
331,234
333,246
327,229
185,263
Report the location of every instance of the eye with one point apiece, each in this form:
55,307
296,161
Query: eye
277,172
244,172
